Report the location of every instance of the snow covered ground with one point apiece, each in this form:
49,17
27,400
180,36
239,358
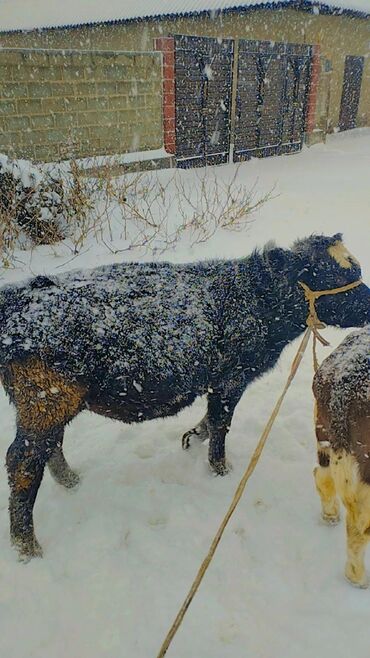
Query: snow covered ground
121,552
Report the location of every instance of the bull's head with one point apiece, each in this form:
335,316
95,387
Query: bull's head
327,264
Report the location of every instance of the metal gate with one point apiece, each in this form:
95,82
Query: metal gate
351,92
203,84
272,89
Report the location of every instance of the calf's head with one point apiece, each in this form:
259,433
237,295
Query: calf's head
327,264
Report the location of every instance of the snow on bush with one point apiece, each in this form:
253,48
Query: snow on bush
123,210
31,203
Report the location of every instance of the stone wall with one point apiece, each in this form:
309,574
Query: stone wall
56,104
337,36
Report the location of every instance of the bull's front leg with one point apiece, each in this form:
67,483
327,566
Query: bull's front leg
220,412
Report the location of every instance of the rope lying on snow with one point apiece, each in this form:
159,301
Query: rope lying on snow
238,494
313,324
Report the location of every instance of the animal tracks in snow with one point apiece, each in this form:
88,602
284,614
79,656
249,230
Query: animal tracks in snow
145,451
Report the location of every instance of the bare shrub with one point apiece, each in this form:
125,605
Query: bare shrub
141,210
154,211
31,206
215,204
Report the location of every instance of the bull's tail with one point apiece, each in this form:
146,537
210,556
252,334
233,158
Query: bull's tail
14,330
9,300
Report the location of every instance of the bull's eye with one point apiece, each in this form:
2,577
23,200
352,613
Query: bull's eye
341,255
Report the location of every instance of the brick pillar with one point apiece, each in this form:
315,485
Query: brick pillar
167,47
312,93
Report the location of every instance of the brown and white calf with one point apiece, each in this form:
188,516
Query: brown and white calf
342,391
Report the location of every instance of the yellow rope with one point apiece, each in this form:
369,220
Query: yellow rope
312,319
313,324
312,295
238,494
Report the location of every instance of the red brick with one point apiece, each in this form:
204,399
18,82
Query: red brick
170,145
169,58
168,70
169,103
169,123
165,44
168,86
169,112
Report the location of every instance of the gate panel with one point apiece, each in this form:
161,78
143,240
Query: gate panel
351,92
247,102
294,102
203,74
188,103
271,101
268,125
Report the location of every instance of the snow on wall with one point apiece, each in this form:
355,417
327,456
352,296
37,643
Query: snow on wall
15,14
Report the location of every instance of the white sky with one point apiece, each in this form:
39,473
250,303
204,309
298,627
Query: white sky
27,14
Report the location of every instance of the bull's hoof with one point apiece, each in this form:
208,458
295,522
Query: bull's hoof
356,579
330,519
69,480
186,440
195,433
64,476
27,548
360,585
223,467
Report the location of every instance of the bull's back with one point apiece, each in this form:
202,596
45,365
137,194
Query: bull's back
342,389
116,328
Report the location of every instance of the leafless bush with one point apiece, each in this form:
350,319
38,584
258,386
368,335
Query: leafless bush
155,211
141,210
215,204
31,206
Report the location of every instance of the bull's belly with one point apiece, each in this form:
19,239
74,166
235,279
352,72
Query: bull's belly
131,409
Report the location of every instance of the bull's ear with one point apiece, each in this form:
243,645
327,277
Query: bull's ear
341,255
314,246
276,258
338,237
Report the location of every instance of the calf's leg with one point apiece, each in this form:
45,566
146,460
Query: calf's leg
322,473
356,545
355,495
326,489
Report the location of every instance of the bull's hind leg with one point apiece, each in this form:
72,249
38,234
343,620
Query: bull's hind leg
199,432
356,544
25,461
59,467
322,473
45,402
355,495
325,486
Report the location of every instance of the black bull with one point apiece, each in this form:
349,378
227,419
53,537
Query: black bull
142,341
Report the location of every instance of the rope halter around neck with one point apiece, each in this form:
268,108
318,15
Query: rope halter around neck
313,321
